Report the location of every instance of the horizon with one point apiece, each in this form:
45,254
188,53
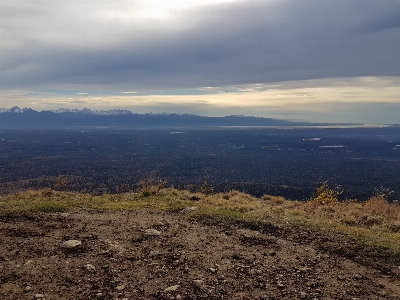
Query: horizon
296,123
312,61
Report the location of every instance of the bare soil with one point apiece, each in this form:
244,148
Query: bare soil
187,260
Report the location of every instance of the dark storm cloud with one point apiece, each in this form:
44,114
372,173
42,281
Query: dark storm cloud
106,46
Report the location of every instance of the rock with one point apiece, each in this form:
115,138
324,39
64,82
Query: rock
171,288
341,277
90,267
272,253
198,283
304,270
155,253
28,262
120,287
27,288
152,232
99,295
188,210
39,296
71,244
357,276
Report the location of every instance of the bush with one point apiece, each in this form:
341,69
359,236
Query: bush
152,186
206,189
325,194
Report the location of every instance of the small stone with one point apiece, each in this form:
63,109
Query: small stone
172,288
99,295
154,253
198,283
212,270
28,262
303,295
152,232
178,297
120,288
357,276
188,210
90,267
71,244
27,288
39,296
304,270
272,253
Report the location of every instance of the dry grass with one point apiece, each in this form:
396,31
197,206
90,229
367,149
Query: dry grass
374,222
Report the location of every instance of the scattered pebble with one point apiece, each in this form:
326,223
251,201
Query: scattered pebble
171,288
28,262
71,244
188,210
304,270
120,288
303,295
39,296
152,232
27,288
90,267
198,283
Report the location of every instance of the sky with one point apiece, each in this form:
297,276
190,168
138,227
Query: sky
314,60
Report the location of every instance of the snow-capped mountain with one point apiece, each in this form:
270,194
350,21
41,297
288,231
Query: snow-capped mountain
16,117
113,112
16,110
85,111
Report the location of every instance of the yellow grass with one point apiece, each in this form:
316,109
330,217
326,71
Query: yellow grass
374,222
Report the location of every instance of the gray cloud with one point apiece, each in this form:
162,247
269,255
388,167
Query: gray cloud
104,45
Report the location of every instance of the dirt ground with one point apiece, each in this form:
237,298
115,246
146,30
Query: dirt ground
119,258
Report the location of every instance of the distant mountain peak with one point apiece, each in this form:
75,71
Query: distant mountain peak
16,117
16,110
87,111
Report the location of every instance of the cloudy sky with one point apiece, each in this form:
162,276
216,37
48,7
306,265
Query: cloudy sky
318,60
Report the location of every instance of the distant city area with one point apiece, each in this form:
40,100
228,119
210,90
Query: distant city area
289,162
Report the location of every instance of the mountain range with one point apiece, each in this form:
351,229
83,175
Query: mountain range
16,117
